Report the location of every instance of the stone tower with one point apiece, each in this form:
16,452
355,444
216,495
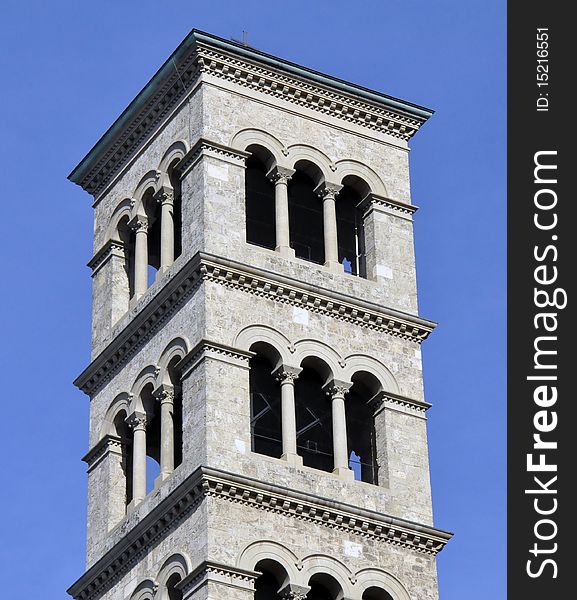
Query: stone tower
257,420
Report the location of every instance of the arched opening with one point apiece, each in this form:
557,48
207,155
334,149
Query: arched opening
175,182
152,210
314,416
122,430
361,432
306,213
127,236
265,402
350,230
259,199
151,408
324,587
273,577
376,593
172,592
175,380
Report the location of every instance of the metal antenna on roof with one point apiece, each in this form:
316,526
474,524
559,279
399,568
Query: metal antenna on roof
244,41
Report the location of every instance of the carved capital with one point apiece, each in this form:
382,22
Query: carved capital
337,389
164,393
284,373
139,223
280,175
292,591
137,421
165,195
328,190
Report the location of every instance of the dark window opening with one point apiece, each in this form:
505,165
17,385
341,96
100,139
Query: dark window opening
314,422
319,592
265,406
375,593
152,409
175,379
266,587
361,434
127,236
152,210
306,219
260,205
173,592
175,182
124,433
350,233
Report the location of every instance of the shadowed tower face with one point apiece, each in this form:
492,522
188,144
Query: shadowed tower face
257,418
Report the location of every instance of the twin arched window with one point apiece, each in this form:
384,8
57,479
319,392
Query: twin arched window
316,441
310,225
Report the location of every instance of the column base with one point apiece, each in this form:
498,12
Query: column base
133,504
344,473
293,459
161,479
334,266
285,251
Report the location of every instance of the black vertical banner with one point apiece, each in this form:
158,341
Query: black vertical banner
542,268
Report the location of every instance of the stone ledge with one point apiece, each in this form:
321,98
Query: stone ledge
208,482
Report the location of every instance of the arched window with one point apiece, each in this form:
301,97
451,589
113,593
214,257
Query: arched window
306,213
314,417
361,431
260,199
126,235
350,230
324,587
175,380
175,182
375,593
171,589
273,577
151,408
122,430
152,211
265,407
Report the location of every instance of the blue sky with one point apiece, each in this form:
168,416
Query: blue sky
69,68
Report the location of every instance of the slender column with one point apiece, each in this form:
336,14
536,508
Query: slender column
292,591
137,421
280,176
328,191
140,226
165,395
165,197
337,391
287,376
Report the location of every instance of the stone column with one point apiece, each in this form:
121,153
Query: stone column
337,391
140,226
287,376
165,197
137,421
328,191
165,395
280,176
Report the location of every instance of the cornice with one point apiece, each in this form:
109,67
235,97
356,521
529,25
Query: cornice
208,349
109,443
203,53
251,280
110,248
401,403
229,487
205,147
210,571
374,201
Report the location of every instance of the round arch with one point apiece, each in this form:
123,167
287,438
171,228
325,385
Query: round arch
309,348
147,376
348,167
122,210
256,137
144,590
321,564
247,337
368,578
177,564
360,362
304,152
149,181
120,403
267,550
178,347
176,151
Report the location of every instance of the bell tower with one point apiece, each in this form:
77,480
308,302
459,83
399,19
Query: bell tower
257,418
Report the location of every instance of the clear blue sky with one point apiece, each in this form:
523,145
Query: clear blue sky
68,69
